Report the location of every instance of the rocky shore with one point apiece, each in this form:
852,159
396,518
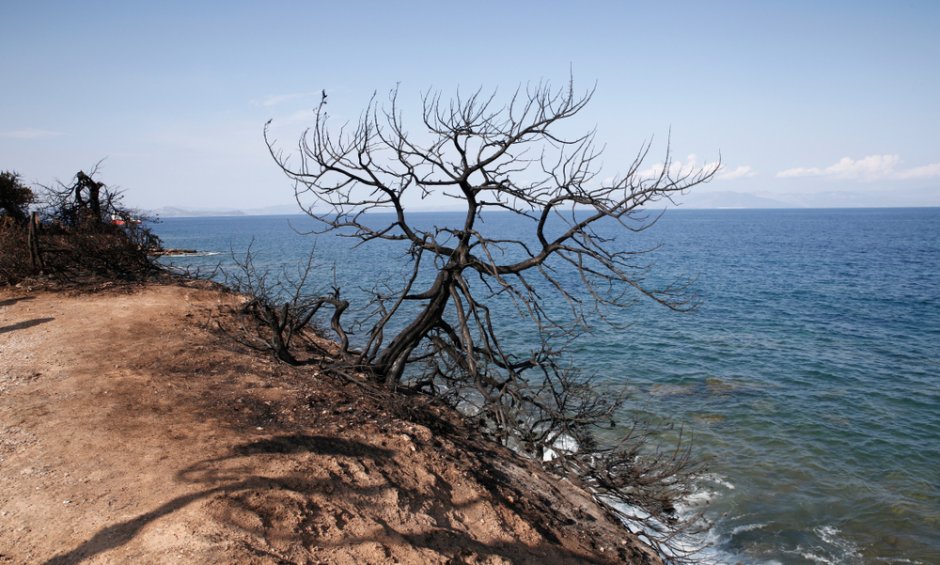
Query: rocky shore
161,252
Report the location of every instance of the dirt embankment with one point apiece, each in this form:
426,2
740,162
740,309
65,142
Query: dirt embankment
132,432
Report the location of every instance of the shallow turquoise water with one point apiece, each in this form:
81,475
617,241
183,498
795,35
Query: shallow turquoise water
809,374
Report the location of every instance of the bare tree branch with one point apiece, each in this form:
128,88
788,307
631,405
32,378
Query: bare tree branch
438,331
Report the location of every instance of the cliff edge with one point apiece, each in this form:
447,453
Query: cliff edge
132,431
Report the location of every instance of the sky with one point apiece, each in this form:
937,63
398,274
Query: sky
805,103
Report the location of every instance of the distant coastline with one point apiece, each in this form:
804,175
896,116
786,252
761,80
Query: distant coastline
185,212
714,204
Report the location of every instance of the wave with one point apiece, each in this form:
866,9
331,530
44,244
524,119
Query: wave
196,254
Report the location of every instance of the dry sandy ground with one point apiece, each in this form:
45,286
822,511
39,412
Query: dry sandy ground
133,432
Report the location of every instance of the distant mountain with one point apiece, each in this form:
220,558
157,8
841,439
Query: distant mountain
869,197
272,210
178,212
696,199
728,199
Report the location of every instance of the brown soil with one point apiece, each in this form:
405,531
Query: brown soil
133,432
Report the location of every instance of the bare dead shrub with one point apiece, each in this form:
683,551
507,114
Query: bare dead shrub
87,233
281,305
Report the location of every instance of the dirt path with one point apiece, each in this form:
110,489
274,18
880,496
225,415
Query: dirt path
130,432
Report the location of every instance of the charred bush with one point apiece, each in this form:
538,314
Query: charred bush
82,231
281,308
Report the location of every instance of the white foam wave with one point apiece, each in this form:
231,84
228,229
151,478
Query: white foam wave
813,557
717,479
702,545
839,551
709,543
846,549
196,254
747,528
564,444
709,488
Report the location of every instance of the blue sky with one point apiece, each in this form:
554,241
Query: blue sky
808,103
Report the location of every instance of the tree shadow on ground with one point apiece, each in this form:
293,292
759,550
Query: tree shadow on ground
119,534
23,325
234,474
14,300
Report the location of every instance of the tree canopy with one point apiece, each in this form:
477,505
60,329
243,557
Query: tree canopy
15,197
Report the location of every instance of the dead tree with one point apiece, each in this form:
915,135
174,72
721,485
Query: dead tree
85,202
90,231
489,157
92,198
438,331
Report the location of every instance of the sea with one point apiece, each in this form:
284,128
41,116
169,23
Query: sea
807,376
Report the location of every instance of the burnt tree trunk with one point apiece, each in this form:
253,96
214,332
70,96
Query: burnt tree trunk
94,195
391,362
278,322
32,240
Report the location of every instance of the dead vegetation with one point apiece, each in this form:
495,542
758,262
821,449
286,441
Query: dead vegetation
81,234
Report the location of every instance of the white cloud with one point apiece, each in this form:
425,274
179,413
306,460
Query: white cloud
926,172
870,168
690,165
677,167
740,172
30,133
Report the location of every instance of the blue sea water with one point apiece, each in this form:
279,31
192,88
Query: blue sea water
809,374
